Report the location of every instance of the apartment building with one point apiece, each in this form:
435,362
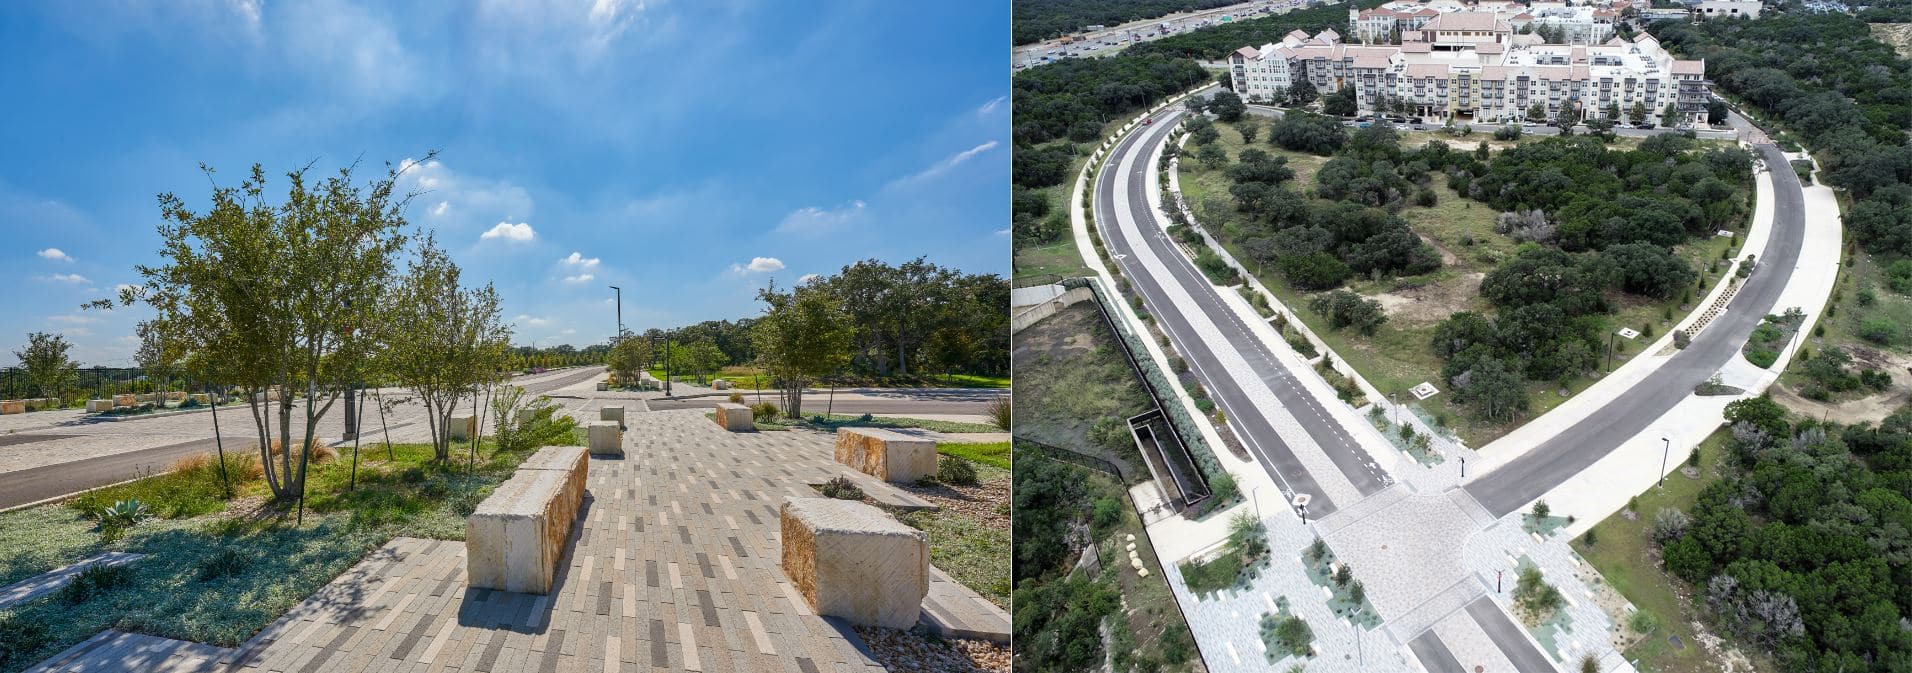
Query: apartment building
1448,22
1459,76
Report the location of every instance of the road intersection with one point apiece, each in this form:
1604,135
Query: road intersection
1432,548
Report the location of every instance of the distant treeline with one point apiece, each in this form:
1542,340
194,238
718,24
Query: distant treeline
1214,42
1847,96
1038,20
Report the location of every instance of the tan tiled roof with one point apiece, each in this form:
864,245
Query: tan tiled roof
1686,67
1248,52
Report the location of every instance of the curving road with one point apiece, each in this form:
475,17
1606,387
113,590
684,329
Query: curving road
1237,368
1557,459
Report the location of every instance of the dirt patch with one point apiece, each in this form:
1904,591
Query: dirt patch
1867,409
1899,35
982,502
1433,302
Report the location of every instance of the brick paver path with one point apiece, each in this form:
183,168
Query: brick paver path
672,566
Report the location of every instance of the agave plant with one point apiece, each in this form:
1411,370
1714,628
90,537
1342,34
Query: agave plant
122,515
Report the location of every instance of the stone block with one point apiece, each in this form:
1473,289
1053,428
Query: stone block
463,427
886,455
720,384
735,417
96,406
850,560
572,461
149,398
13,407
602,386
175,396
607,439
612,413
124,400
515,538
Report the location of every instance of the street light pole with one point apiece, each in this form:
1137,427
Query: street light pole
620,316
1666,447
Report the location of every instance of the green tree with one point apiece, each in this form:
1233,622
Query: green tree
700,358
1341,103
1637,113
1227,106
628,358
277,296
804,335
444,341
46,363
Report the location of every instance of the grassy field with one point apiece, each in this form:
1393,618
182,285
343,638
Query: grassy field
174,593
1627,560
1071,380
1397,357
993,454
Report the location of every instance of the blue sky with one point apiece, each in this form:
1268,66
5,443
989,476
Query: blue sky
686,151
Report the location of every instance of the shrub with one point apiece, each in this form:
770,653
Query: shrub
1879,330
841,488
227,563
95,580
19,638
1001,412
1643,622
763,412
955,470
1541,510
1590,538
122,515
736,397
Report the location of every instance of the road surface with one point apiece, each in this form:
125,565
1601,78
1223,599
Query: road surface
1128,225
52,481
1584,443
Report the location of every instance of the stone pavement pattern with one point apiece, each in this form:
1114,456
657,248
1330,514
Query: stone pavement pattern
672,565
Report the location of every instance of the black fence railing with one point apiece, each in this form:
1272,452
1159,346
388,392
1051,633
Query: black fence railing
1071,456
93,383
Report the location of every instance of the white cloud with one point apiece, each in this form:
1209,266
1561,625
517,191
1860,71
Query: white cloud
759,265
807,278
73,319
948,163
55,254
73,278
580,278
463,200
1005,231
567,331
512,232
992,105
579,261
811,220
122,287
531,320
75,331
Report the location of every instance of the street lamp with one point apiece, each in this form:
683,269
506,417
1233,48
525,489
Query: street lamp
1666,447
620,316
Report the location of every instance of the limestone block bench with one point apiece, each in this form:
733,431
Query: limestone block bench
515,538
886,455
96,406
612,413
719,384
851,560
125,400
607,439
602,386
572,461
13,407
735,417
463,427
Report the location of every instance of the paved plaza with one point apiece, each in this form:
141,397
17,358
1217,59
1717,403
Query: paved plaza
672,565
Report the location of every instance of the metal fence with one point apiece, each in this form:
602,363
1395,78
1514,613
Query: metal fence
93,382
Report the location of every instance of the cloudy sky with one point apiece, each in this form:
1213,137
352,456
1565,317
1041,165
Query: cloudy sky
686,151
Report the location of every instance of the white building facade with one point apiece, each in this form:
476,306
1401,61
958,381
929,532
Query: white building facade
1459,76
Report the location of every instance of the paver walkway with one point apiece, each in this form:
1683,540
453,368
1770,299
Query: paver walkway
673,565
49,581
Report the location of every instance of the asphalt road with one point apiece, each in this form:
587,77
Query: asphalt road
1129,162
1509,637
1434,655
52,481
1568,452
